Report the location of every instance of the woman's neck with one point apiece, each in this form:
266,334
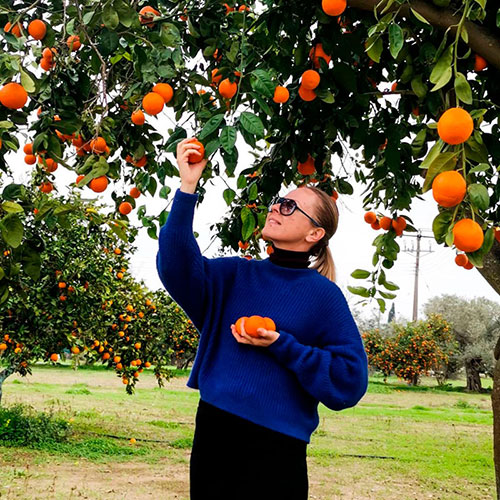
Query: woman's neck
289,258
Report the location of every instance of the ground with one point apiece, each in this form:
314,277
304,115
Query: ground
398,443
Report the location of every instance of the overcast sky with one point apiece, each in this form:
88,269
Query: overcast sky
351,246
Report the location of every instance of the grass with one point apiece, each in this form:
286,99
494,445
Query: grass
399,442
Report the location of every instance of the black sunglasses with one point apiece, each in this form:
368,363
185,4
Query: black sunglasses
287,207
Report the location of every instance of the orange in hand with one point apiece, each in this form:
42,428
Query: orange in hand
253,323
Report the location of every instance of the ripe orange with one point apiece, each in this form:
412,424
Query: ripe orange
49,164
98,145
467,235
399,225
135,193
253,323
238,323
385,223
106,356
497,234
46,65
125,208
147,364
394,86
13,30
243,245
13,96
370,217
37,29
270,325
79,178
46,187
469,265
153,103
455,126
146,14
375,225
334,7
138,117
228,9
62,298
48,53
3,347
461,259
307,168
54,357
310,79
99,184
199,155
227,89
137,345
28,148
281,94
73,42
125,381
316,52
165,90
117,251
75,350
480,63
306,94
30,159
61,284
216,78
243,8
449,188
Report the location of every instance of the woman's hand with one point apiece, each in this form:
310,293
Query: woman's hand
190,173
266,337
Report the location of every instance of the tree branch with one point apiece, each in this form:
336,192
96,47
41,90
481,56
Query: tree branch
481,40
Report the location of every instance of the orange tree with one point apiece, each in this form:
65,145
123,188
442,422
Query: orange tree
299,82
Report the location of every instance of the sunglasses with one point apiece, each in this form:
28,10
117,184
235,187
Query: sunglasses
287,207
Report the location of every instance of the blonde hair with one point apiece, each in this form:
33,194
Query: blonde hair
327,215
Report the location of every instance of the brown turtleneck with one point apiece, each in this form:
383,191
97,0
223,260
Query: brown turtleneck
289,258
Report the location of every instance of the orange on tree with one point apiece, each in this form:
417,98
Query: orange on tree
138,117
98,145
99,184
46,187
469,265
75,350
54,357
28,148
480,63
199,155
134,192
449,188
243,245
375,225
73,42
385,223
153,103
165,90
281,94
117,251
306,94
13,95
216,77
461,259
146,14
37,29
310,79
467,235
13,30
307,167
79,178
370,217
228,89
333,7
316,52
30,159
455,126
49,164
61,284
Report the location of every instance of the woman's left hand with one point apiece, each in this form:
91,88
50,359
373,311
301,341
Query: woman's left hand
266,337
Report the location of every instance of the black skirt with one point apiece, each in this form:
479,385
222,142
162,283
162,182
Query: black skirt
233,458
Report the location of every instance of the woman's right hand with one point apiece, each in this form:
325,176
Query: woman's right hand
190,173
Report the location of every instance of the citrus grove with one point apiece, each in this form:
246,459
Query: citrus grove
408,90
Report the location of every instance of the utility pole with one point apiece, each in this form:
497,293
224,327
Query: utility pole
419,236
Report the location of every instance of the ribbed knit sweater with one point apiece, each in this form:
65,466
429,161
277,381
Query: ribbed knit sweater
318,357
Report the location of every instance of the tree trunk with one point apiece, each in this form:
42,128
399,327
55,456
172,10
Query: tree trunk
491,267
472,367
415,380
3,375
495,405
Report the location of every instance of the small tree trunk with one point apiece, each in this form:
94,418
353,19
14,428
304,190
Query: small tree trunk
3,375
415,380
495,405
473,378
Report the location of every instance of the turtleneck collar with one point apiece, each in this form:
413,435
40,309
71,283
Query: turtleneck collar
289,258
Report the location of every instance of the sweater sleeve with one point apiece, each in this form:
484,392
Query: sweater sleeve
184,271
336,373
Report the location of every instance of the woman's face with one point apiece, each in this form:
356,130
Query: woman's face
294,232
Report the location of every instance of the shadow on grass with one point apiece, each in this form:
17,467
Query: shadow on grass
380,387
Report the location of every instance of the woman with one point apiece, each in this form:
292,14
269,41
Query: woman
259,396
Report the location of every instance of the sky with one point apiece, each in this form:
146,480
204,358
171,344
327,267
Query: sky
351,245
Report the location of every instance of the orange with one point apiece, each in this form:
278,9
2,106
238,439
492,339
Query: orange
497,234
253,323
335,195
281,94
50,164
199,155
316,52
46,65
370,217
243,8
125,208
455,126
165,90
307,168
61,284
98,145
37,29
399,225
480,63
117,251
147,364
124,380
30,159
137,345
227,89
306,94
461,259
334,7
310,79
394,86
13,96
449,188
54,357
469,265
238,324
140,162
216,78
48,53
153,103
138,117
146,14
28,148
73,42
467,235
385,223
16,30
79,178
3,347
228,9
375,225
135,193
270,325
106,356
46,187
99,184
244,245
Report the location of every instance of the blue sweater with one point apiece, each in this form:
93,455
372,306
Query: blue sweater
318,357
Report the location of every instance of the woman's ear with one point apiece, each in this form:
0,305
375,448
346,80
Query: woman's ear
315,234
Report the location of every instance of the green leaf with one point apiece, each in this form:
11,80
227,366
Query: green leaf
164,192
241,182
228,195
110,17
170,35
396,39
381,303
228,138
27,82
126,14
390,285
12,230
359,290
360,274
248,223
108,42
252,124
482,3
261,82
2,273
442,163
419,87
12,207
6,124
253,192
374,48
462,88
387,295
440,225
482,167
479,196
442,71
262,103
31,263
233,51
418,142
211,126
420,17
